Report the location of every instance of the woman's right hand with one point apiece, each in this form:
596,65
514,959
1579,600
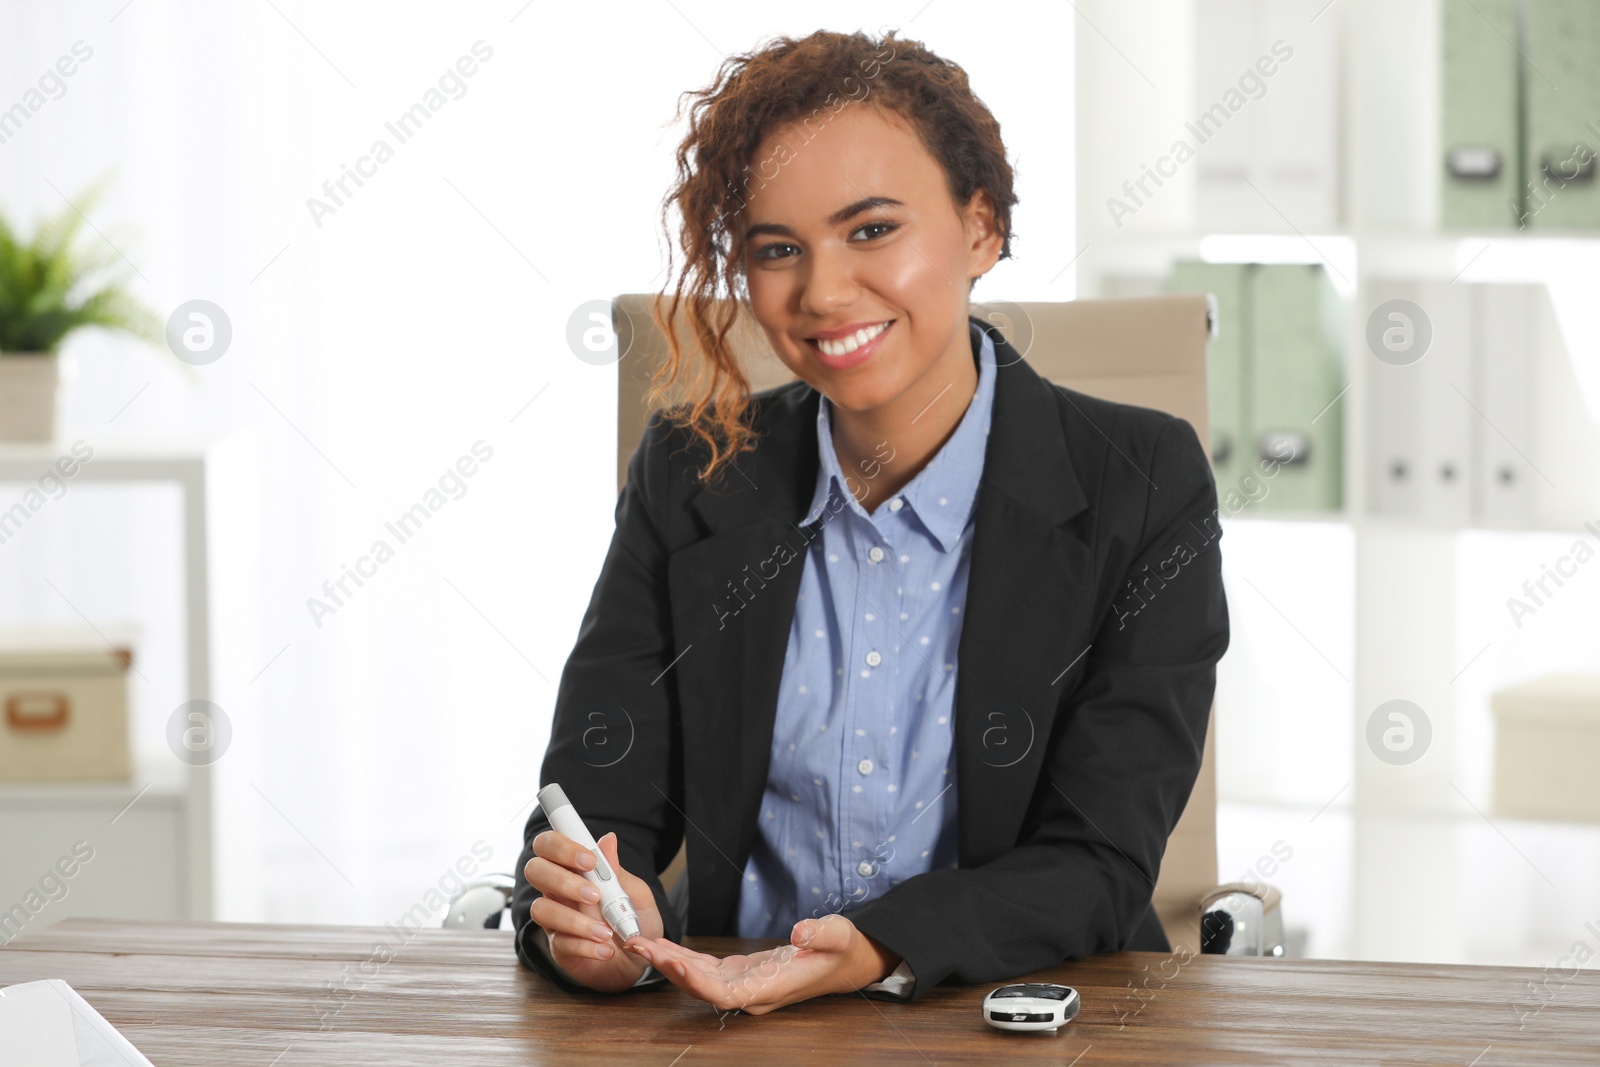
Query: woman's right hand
569,911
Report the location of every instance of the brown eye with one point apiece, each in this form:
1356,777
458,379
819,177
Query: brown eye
762,252
886,227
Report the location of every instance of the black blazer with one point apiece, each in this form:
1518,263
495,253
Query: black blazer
1094,620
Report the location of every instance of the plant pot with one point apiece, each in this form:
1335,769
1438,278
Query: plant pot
30,385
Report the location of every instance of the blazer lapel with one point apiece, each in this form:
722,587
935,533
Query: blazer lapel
1026,630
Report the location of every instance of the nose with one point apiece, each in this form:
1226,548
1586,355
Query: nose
829,284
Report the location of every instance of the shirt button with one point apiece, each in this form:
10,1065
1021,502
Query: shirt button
864,869
865,766
873,659
896,504
875,554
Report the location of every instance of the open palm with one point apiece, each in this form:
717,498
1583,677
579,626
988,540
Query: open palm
827,955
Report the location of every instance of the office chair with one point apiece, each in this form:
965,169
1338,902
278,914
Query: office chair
1149,351
1140,350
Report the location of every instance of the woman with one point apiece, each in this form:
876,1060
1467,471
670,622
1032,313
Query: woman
917,652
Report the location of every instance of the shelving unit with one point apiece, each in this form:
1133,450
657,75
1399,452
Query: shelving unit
1134,92
153,834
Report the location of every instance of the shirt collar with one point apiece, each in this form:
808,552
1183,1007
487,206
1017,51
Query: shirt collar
943,492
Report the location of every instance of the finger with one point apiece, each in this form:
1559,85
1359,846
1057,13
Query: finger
668,955
653,950
637,888
660,948
565,946
705,979
562,850
608,846
555,881
820,935
728,967
556,918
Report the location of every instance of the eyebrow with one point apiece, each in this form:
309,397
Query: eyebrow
844,214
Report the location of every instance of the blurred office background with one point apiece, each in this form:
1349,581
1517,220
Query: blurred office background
1414,153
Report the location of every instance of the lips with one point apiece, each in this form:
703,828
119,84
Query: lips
831,347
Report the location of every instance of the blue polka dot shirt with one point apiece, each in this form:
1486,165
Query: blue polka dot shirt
861,786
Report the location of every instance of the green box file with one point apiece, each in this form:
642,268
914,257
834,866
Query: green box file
1562,83
1224,361
1481,166
1295,374
1275,369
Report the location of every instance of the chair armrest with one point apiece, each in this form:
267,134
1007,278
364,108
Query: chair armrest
478,904
1242,919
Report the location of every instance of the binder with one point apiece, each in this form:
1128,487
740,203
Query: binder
1224,142
1421,451
1495,398
1481,172
1394,434
1508,355
1562,81
1563,434
1274,370
1283,137
1224,364
1394,437
1448,405
1294,371
1298,129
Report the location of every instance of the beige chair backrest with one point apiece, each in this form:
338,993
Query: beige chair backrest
1148,350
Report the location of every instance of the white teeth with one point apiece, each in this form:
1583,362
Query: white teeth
843,346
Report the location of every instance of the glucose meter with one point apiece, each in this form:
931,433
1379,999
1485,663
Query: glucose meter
1030,1006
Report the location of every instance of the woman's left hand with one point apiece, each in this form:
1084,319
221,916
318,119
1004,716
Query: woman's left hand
826,955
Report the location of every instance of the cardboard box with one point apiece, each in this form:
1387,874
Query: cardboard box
1547,748
64,713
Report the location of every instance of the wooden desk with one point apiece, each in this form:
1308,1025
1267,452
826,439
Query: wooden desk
242,995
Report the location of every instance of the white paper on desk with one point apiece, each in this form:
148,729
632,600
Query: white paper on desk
47,1024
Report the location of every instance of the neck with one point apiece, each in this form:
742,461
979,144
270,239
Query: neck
887,446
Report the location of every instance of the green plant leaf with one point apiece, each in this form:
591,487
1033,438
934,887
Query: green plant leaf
49,289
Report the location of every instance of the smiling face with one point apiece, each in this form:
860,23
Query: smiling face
858,262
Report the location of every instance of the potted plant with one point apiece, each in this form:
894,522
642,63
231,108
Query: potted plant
49,290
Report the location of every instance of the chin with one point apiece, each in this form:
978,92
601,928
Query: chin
862,396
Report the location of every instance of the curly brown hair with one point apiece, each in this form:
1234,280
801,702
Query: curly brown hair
807,81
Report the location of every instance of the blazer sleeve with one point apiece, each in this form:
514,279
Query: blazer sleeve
614,737
1122,758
